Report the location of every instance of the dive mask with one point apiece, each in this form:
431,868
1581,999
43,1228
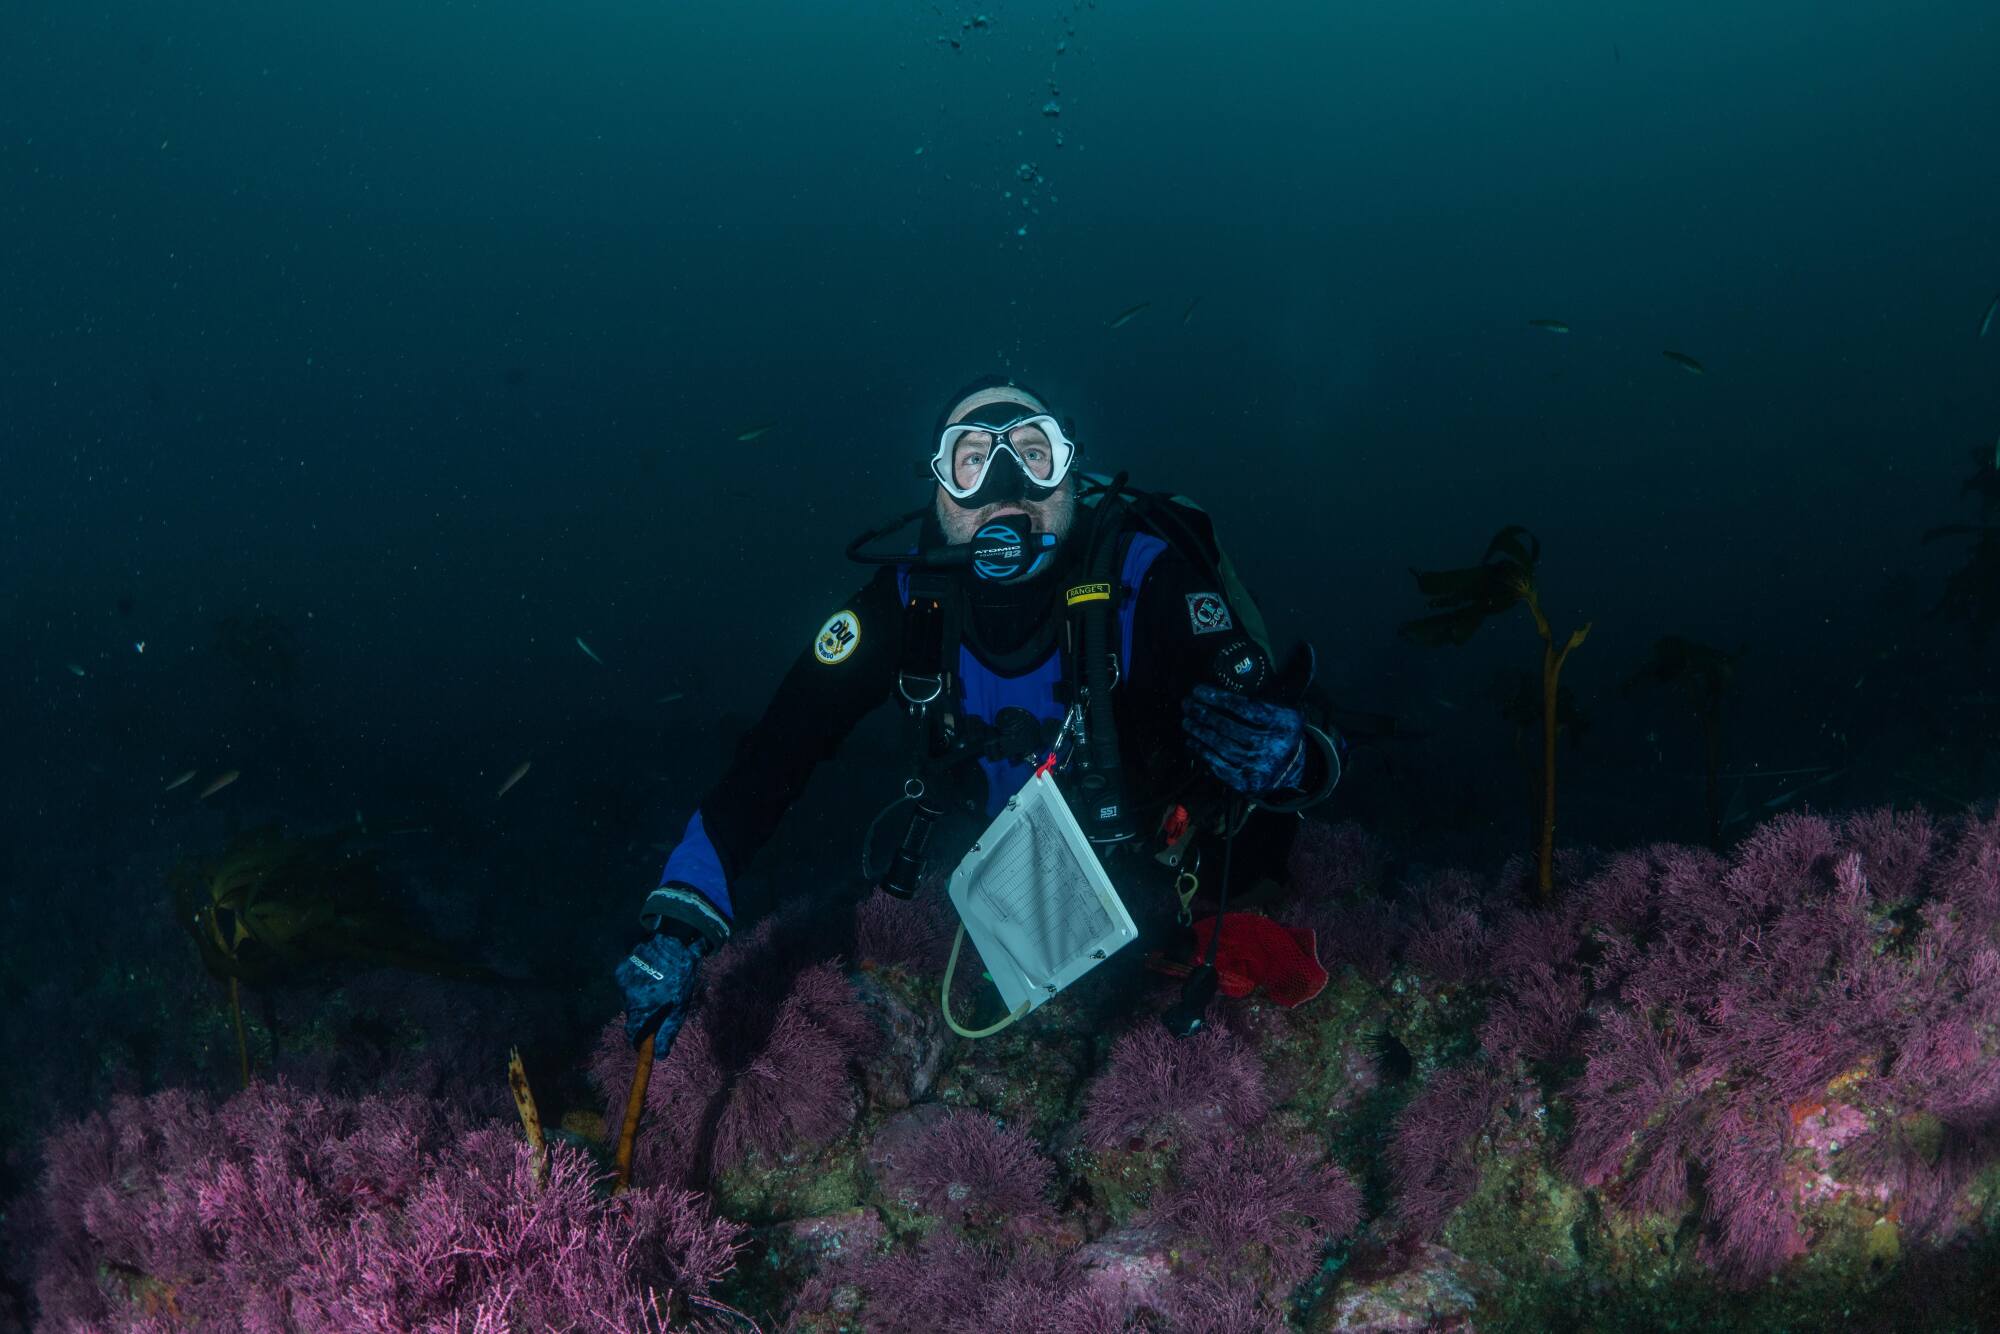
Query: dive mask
1032,453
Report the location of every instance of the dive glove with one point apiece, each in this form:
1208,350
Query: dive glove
657,979
1253,745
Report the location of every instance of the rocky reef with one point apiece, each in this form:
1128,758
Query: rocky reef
1697,1091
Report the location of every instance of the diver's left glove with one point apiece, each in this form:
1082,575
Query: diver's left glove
657,978
1253,745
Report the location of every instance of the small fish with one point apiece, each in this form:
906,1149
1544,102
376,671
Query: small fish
1188,314
1125,316
1992,308
75,670
673,698
755,433
513,778
1685,362
138,646
222,780
589,652
1549,326
1786,798
182,781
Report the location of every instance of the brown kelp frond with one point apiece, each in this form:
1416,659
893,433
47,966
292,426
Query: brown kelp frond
531,1115
1517,696
1465,597
273,906
1703,670
1505,576
1972,591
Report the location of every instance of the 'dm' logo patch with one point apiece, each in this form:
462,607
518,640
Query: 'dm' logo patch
1208,614
837,638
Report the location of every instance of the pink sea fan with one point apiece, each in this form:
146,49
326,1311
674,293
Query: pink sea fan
1896,848
1335,861
1337,873
771,1061
1779,861
1536,1017
1754,1230
894,933
1257,1206
949,1283
1629,1074
1726,998
279,1210
1366,935
1969,879
1449,944
966,1167
1658,1181
1527,940
1621,895
1209,1083
1943,1067
1431,1165
1222,1308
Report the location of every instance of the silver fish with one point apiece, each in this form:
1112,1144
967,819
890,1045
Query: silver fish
513,778
1987,323
755,433
1125,316
1549,326
588,651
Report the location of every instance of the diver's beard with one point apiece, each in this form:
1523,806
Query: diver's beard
1053,515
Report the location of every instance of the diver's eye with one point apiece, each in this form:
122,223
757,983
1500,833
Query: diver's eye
971,463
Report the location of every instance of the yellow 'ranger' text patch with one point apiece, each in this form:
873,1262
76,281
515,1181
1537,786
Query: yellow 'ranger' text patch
1087,593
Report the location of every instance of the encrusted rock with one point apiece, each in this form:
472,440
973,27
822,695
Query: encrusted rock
913,1042
1438,1291
1129,1267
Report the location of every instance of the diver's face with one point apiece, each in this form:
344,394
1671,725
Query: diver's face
974,450
1053,515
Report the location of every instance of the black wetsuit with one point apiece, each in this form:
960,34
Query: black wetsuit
1173,625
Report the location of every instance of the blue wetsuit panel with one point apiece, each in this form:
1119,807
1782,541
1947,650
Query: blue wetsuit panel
983,692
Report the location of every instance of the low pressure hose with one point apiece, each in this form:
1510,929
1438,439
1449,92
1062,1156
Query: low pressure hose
944,997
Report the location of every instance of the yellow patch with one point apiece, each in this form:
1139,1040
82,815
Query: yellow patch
1087,593
837,638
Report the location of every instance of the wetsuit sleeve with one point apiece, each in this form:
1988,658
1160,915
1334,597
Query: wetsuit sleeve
1185,633
1181,627
844,673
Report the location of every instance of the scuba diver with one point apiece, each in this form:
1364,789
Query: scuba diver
1041,608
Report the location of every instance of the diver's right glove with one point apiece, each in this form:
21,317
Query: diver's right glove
657,979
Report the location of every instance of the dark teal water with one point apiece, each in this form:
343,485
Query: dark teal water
417,337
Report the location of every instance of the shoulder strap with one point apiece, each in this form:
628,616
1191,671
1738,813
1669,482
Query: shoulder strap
933,621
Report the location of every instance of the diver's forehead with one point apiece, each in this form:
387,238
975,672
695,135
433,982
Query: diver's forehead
984,398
